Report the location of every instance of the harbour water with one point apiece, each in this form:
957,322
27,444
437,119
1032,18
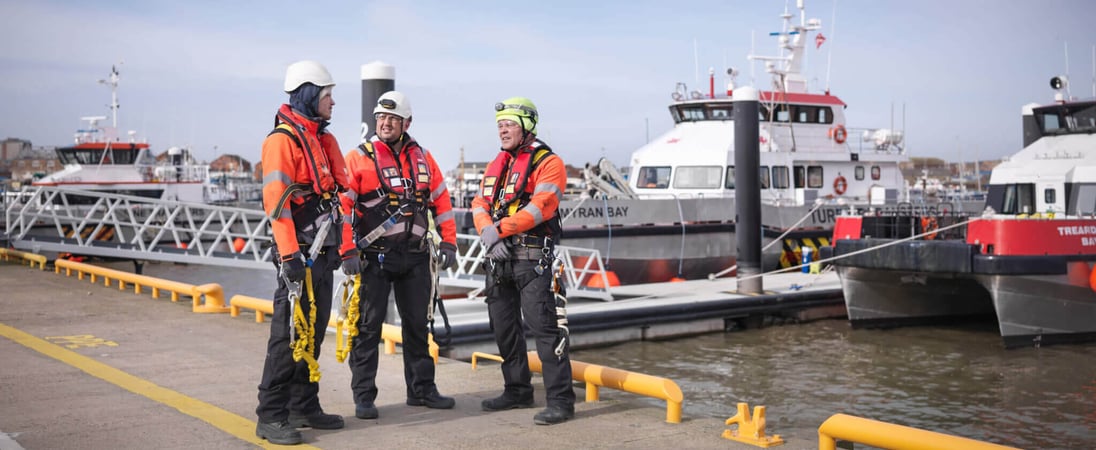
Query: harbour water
952,379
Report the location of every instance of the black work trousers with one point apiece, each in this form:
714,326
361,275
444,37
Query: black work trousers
285,386
407,272
514,289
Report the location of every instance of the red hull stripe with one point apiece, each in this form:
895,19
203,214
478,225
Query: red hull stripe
1034,236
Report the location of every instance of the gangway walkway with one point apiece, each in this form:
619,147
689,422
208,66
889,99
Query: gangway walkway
52,219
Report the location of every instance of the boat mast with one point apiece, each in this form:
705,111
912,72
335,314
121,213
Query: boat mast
113,82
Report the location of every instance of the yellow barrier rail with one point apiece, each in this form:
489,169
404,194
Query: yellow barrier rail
477,355
8,254
212,293
637,383
391,334
888,435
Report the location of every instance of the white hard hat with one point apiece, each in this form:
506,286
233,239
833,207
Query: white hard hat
393,102
306,71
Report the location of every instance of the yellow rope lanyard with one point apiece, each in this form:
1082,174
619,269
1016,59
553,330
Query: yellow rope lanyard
349,313
304,347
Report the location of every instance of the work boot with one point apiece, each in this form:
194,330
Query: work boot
318,421
504,402
366,411
553,415
433,400
280,433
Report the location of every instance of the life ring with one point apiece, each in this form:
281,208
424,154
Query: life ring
840,185
928,225
839,134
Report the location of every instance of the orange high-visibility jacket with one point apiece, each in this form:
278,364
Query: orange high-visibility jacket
285,164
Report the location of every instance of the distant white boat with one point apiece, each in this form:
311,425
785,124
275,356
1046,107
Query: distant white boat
100,161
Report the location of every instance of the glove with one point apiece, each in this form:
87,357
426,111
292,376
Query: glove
448,257
500,252
352,263
293,267
489,236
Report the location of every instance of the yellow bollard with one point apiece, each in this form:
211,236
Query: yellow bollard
751,430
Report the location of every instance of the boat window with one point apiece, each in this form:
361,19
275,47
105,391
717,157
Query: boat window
1049,196
730,178
1081,198
814,177
1014,199
1067,118
653,177
763,177
800,175
803,114
782,114
780,177
697,177
692,114
807,114
676,113
875,172
1050,123
721,112
825,115
859,173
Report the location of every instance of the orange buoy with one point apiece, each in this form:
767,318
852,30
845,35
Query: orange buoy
1092,280
676,279
595,281
181,245
238,244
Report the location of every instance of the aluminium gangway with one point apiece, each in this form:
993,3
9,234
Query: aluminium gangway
59,220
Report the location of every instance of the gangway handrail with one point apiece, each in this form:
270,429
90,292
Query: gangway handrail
892,436
137,228
471,265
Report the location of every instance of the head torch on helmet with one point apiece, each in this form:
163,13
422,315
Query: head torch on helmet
387,103
503,106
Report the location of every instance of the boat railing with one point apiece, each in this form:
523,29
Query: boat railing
913,221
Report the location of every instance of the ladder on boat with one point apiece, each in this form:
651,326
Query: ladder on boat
59,220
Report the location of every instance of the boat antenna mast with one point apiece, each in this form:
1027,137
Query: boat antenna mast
112,81
786,68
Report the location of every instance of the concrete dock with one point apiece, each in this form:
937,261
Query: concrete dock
89,366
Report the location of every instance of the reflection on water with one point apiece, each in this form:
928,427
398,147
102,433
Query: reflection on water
958,381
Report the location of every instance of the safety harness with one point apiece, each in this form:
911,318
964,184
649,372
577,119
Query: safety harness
507,198
395,195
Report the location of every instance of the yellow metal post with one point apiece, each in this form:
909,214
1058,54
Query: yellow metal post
751,429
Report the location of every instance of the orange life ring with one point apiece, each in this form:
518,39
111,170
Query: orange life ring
840,185
839,134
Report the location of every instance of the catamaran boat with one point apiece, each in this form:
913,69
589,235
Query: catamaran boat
100,161
673,215
1026,261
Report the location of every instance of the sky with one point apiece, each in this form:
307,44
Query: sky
952,74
